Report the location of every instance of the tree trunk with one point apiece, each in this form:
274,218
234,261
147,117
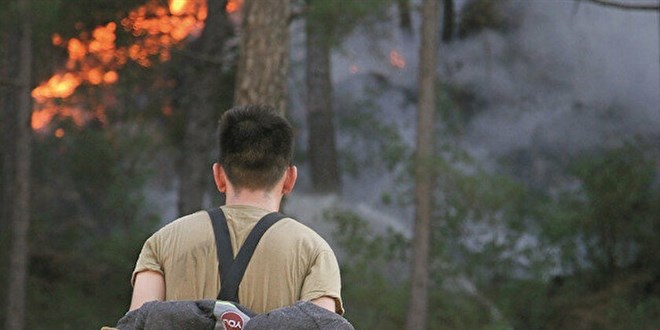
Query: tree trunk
7,119
417,317
405,21
448,20
20,208
322,149
203,88
264,54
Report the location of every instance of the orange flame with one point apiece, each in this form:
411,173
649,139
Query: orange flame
57,40
59,133
59,86
41,118
233,6
95,60
177,7
49,110
397,60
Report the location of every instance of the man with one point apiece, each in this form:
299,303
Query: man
291,262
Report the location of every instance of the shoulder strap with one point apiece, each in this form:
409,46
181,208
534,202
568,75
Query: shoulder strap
232,270
222,241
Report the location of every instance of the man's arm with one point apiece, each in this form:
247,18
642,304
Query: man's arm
322,285
149,286
326,302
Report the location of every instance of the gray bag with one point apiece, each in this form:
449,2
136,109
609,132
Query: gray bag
222,315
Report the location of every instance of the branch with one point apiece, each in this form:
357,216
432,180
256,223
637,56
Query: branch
625,6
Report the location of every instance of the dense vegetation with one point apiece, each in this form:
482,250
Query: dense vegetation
582,259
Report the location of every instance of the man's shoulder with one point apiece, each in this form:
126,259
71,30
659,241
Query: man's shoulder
190,223
292,230
183,234
290,223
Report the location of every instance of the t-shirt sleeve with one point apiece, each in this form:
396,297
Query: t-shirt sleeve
324,279
148,259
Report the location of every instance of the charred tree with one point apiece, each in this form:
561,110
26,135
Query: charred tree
20,206
417,317
321,143
204,91
264,54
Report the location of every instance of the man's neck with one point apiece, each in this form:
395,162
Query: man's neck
257,198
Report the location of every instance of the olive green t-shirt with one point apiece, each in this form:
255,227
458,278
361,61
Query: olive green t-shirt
291,261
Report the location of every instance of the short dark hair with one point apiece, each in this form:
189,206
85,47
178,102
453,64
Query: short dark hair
256,146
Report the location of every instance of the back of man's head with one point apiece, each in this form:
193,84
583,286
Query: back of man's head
256,146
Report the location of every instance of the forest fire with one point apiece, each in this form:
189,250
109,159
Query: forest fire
95,59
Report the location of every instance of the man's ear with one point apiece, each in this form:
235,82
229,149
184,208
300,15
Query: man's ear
290,177
220,177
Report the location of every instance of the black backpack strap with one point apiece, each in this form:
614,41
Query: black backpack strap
222,241
232,270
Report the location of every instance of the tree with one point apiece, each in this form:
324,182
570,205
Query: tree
203,79
448,18
6,115
405,21
326,23
20,206
320,115
264,54
418,307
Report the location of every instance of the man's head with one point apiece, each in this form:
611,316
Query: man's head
256,146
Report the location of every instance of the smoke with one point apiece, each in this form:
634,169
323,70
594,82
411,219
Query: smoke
562,79
569,77
565,74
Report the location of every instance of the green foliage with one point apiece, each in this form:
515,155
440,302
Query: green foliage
617,218
569,303
456,106
373,299
375,289
506,255
605,237
360,124
486,215
612,221
525,303
69,17
364,246
74,290
336,19
87,228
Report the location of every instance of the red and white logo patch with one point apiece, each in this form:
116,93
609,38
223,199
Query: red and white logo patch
232,321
